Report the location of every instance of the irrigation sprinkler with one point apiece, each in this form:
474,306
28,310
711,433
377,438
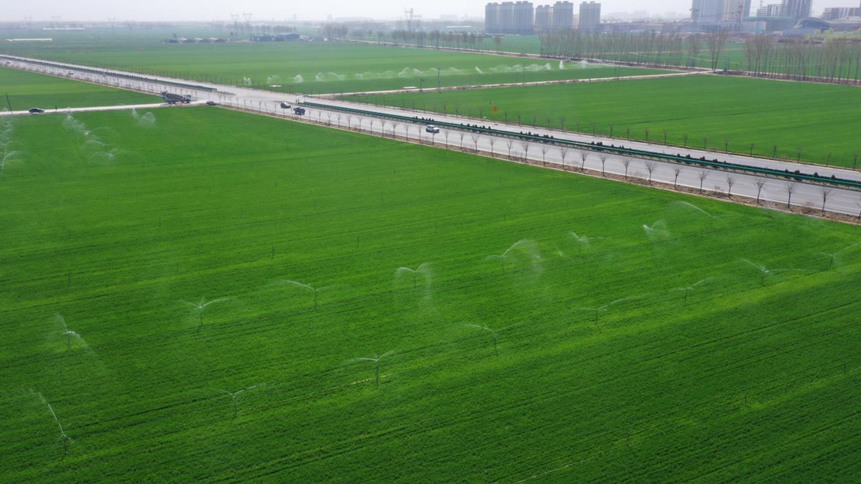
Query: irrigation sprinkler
67,332
376,360
692,287
64,438
526,245
834,257
657,229
422,269
202,305
493,333
764,271
599,309
9,157
235,394
308,287
582,241
691,206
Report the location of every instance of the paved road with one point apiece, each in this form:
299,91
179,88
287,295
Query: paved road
769,190
97,108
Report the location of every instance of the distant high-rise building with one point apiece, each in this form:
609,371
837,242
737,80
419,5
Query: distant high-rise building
735,11
524,16
707,12
772,10
841,12
509,18
492,18
590,17
796,9
543,18
563,16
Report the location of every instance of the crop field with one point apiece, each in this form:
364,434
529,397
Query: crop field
24,90
195,294
318,67
811,122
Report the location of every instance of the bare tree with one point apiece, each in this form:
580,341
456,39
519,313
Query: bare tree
475,139
790,187
461,134
583,156
525,146
650,167
715,42
676,171
510,143
563,151
730,181
685,137
694,48
492,142
603,159
445,135
759,185
544,149
702,176
826,192
625,163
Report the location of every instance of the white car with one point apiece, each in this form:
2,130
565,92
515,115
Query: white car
431,129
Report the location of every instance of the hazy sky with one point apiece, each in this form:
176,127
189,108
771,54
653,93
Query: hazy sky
304,10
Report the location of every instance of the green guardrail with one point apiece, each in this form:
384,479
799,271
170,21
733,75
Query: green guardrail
612,149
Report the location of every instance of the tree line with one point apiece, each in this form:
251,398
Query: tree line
835,59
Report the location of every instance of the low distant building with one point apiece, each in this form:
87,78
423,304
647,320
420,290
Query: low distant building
275,37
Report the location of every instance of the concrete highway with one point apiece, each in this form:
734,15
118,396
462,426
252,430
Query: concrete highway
770,191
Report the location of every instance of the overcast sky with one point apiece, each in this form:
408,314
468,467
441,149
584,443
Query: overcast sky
186,10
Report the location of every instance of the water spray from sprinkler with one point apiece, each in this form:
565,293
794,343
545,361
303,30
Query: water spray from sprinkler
376,360
526,245
422,269
308,287
202,305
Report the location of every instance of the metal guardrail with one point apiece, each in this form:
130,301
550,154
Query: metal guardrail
611,149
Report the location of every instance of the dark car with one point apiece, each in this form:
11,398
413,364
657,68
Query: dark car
285,106
299,111
35,110
210,103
